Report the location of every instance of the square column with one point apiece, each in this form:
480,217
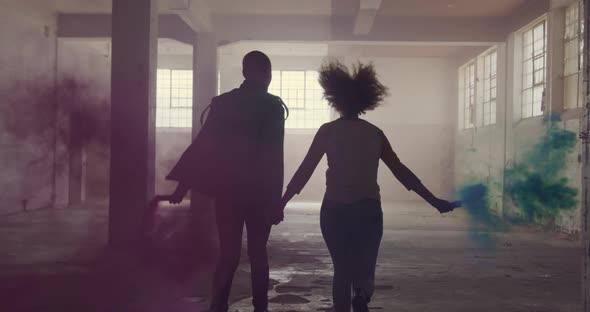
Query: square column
204,89
133,96
204,75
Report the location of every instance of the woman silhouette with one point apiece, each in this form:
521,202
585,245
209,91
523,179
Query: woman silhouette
351,217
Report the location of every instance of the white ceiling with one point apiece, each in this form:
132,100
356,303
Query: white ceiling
173,47
450,8
105,6
86,6
413,8
403,50
271,7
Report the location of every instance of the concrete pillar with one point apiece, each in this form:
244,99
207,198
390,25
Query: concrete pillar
133,95
204,75
204,89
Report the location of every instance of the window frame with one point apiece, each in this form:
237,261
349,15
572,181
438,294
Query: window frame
278,88
535,86
573,39
490,76
468,94
171,115
577,38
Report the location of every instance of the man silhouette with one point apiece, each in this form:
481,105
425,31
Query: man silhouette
238,159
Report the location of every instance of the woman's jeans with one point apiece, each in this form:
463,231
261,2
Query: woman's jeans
352,233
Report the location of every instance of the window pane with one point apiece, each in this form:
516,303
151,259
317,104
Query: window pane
537,101
528,52
293,88
528,67
182,88
533,71
572,21
163,88
538,46
174,98
489,87
539,76
303,95
528,37
539,31
468,95
527,81
494,62
275,84
296,119
527,103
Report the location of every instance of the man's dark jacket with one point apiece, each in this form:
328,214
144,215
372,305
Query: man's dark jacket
239,150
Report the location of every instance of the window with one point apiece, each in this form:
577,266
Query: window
174,100
573,54
303,95
533,69
489,88
468,96
218,82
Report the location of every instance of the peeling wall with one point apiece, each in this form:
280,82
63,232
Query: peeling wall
28,54
484,153
90,61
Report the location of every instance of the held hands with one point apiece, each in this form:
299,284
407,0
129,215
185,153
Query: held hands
278,214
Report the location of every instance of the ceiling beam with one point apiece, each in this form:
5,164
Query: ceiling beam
100,26
231,28
365,17
195,13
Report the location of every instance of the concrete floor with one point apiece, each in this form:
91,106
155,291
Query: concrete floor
55,260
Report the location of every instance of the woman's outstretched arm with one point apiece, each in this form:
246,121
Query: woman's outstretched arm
314,155
410,180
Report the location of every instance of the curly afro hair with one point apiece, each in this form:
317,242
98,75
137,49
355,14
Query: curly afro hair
351,94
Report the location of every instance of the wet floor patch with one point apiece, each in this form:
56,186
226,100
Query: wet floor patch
282,289
289,299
